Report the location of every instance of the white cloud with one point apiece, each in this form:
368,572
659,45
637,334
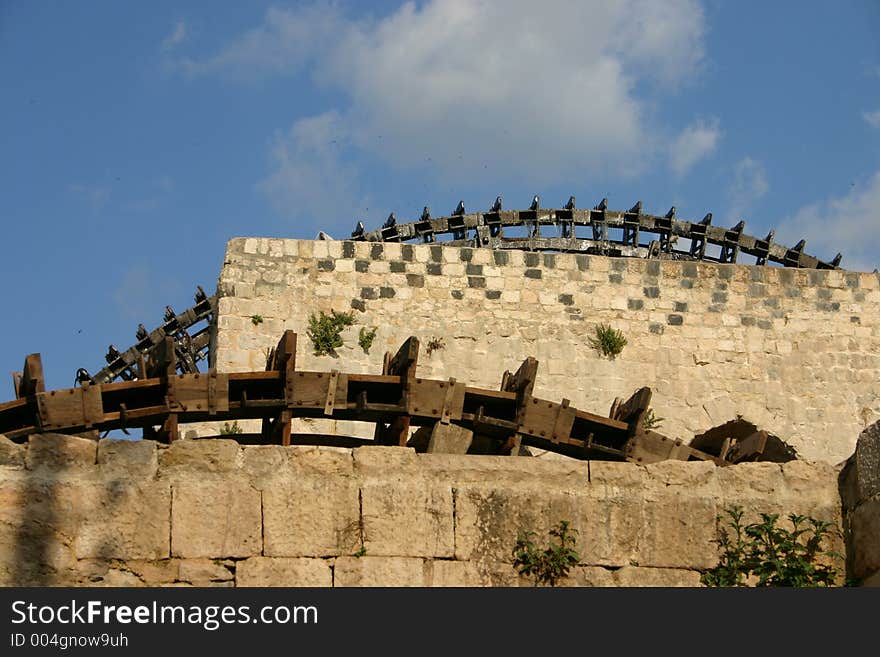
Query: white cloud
695,142
873,118
749,184
529,91
175,37
849,224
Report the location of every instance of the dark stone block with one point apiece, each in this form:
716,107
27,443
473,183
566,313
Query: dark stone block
369,293
757,274
674,320
772,302
583,262
618,264
617,279
855,319
437,253
326,265
655,328
397,267
532,273
852,280
747,320
719,297
493,294
566,299
824,306
689,270
465,255
818,277
434,268
500,257
787,276
824,294
415,280
651,292
457,294
686,283
348,249
635,304
477,282
720,285
858,296
793,292
549,261
765,324
531,259
716,308
361,266
358,304
680,307
376,251
725,271
386,292
474,270
757,290
653,269
406,252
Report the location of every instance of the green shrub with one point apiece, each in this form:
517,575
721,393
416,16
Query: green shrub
551,564
325,331
366,337
256,320
762,554
608,341
435,344
230,429
651,421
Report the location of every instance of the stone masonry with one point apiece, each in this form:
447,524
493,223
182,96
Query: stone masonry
795,351
214,513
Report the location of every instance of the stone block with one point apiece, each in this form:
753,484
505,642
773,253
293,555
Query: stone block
379,571
11,454
864,467
376,459
678,530
631,576
411,519
295,572
211,455
457,574
449,439
865,540
136,457
122,518
57,451
200,572
311,517
215,519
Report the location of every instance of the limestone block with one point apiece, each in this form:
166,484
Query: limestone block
379,571
865,541
609,527
215,519
321,461
136,457
122,518
212,455
60,452
678,530
665,577
379,460
449,439
863,472
203,571
266,571
449,573
154,572
311,516
412,519
11,454
586,576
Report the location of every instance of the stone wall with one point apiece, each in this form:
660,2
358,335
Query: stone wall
860,491
795,351
214,513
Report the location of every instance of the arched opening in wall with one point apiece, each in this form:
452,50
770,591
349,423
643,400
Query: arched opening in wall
741,441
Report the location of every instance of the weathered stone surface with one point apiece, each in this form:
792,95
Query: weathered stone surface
313,517
132,456
678,530
376,459
266,571
665,577
412,519
379,571
203,571
122,519
220,455
57,451
863,468
215,519
11,454
449,573
476,468
449,439
865,525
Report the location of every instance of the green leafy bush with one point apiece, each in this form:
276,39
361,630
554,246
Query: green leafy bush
325,331
230,429
763,554
551,564
651,421
435,344
608,341
256,320
366,337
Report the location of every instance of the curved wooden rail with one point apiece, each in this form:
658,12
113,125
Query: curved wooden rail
608,232
395,401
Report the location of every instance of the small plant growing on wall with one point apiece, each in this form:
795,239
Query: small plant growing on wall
651,421
325,331
608,341
764,554
551,564
256,320
230,429
434,344
366,337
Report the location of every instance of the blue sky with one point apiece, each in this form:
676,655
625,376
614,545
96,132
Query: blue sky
137,138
